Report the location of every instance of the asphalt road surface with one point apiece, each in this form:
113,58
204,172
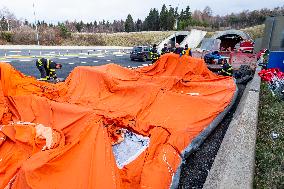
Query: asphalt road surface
24,60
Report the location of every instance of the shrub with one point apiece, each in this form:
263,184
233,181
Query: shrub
6,36
49,36
64,32
24,36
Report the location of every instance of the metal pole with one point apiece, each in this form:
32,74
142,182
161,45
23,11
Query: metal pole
37,35
8,24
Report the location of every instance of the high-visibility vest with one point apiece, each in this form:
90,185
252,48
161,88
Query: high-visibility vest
187,51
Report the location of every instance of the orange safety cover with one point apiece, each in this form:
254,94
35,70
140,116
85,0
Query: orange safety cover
171,102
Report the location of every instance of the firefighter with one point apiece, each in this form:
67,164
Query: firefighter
227,69
47,69
178,50
154,54
187,51
165,49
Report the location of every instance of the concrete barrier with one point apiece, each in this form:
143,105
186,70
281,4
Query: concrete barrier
233,166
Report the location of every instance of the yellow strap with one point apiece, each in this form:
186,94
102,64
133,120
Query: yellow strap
39,61
48,62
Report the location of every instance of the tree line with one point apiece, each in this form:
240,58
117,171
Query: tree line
169,18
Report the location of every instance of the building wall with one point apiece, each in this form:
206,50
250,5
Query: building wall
274,34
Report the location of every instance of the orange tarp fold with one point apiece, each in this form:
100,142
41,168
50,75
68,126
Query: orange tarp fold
63,135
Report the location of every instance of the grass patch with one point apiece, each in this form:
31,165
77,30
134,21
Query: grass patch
255,31
269,167
118,39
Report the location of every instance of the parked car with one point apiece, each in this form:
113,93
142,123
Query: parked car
140,53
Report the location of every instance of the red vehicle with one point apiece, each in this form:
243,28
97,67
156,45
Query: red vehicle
246,46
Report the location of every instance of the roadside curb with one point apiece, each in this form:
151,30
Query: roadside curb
233,166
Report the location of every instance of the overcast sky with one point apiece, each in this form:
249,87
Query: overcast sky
90,10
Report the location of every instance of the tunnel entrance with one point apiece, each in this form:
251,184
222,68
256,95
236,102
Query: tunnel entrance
229,41
179,39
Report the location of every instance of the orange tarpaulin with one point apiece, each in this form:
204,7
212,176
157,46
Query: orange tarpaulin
61,135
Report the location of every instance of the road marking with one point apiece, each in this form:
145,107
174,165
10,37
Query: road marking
15,51
108,60
83,57
99,50
13,55
145,65
52,52
62,58
25,60
83,62
6,61
101,56
90,50
83,53
119,55
71,63
96,61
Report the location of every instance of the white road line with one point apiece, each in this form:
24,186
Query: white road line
83,62
99,50
145,65
13,55
100,56
5,61
83,53
108,60
119,55
15,51
90,50
62,58
83,57
25,60
96,61
71,63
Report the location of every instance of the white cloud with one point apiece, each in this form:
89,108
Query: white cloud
90,10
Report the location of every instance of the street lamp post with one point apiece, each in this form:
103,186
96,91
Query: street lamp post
8,24
37,35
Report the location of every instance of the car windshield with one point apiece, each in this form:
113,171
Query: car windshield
137,49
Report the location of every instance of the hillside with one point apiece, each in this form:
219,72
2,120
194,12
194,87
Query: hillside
26,37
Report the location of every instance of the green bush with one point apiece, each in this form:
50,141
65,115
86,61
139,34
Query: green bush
64,32
6,36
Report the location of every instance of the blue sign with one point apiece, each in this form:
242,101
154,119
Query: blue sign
276,60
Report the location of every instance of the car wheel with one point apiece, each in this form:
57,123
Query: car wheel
132,59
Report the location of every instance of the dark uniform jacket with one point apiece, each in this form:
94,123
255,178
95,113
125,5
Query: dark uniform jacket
165,50
46,68
227,69
154,54
179,51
